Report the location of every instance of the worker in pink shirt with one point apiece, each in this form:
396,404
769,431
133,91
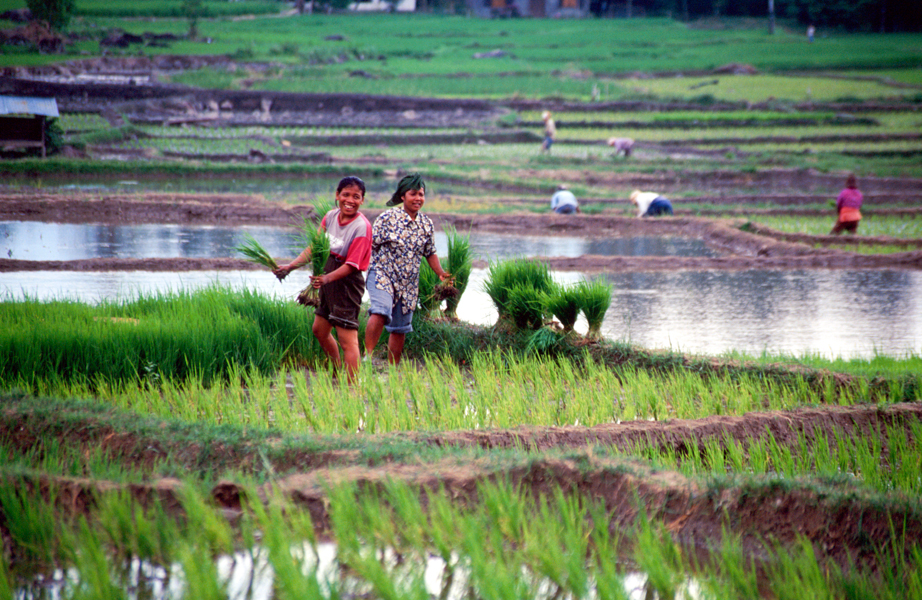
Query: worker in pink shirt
848,207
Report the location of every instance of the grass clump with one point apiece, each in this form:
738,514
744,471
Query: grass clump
595,298
521,274
564,303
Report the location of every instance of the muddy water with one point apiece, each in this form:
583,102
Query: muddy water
826,312
36,240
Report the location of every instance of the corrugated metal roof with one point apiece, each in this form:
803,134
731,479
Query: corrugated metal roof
14,105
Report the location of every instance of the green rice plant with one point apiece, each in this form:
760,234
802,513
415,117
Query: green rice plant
564,303
503,276
92,562
460,264
255,252
429,301
318,241
595,298
659,557
33,525
526,306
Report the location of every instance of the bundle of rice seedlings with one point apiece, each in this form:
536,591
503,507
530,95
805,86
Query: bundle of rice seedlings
255,253
502,277
319,244
460,265
429,300
595,298
564,302
526,306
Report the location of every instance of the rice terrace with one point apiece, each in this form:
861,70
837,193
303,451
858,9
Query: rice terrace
724,402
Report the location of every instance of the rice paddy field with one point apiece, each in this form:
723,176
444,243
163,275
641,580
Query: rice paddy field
196,443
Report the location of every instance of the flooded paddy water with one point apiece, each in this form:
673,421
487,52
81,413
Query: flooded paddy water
828,312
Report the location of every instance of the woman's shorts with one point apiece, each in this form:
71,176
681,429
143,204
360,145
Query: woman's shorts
341,300
382,303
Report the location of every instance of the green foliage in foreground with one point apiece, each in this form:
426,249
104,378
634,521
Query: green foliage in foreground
204,335
506,544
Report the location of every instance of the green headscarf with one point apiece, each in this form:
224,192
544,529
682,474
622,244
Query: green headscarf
413,181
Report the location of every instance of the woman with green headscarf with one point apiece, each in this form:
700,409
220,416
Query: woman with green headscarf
401,237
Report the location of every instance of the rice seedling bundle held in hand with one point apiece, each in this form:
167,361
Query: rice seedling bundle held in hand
460,265
319,244
255,253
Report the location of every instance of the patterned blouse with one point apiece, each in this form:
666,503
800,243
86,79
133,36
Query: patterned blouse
398,245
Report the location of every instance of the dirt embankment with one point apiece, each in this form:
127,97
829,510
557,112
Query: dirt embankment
845,526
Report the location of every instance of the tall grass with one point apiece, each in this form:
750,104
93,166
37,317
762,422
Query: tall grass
397,541
176,336
494,389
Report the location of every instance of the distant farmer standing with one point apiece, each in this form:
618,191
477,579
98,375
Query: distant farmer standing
401,237
848,207
550,131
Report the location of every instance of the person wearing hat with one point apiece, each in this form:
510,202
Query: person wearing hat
650,204
563,202
401,237
550,131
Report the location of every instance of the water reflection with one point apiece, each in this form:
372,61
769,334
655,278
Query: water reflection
825,312
35,240
249,575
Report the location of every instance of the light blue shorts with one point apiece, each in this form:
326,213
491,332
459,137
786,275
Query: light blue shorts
382,303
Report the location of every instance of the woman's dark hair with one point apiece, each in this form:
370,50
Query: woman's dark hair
351,180
851,182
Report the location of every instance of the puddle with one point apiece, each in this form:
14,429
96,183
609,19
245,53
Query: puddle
249,576
831,313
37,240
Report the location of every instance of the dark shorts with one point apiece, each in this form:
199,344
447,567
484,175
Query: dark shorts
658,207
565,209
340,300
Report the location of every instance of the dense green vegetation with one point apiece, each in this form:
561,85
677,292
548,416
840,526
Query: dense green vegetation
225,385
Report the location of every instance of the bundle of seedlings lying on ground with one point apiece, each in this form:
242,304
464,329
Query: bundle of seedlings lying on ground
316,239
525,296
564,303
594,299
255,253
518,289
